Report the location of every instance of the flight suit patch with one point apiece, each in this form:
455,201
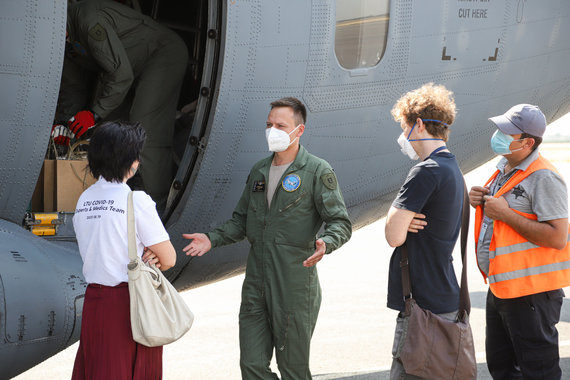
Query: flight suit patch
291,182
98,33
258,187
329,180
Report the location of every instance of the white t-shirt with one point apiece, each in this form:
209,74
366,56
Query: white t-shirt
100,223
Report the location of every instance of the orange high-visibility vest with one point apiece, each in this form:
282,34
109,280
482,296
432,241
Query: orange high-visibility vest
518,267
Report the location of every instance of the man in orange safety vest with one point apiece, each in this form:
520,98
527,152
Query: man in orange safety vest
521,239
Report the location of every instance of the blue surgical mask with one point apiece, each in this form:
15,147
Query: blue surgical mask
501,143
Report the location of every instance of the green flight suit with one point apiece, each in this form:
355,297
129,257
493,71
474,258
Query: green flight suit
127,49
280,297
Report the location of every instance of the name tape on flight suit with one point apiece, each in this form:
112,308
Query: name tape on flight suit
258,187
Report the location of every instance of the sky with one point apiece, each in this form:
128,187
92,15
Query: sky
560,129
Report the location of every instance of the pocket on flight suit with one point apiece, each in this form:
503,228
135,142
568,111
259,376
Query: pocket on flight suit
291,256
292,201
252,222
299,281
330,203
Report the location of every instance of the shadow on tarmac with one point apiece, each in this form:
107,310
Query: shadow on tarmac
482,373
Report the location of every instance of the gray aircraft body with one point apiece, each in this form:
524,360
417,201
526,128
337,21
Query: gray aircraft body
349,61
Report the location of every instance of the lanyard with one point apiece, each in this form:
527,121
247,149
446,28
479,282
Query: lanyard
495,186
499,182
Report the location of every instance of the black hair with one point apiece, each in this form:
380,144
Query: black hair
296,105
113,148
537,140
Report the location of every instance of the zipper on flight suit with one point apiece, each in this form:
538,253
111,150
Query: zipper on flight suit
292,203
284,333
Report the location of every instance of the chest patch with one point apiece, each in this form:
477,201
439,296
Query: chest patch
291,182
518,192
258,187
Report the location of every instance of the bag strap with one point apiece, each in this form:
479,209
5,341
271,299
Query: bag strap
464,300
131,228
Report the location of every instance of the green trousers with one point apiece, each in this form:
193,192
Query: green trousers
267,323
154,106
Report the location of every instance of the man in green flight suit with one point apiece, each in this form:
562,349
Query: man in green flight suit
126,49
287,197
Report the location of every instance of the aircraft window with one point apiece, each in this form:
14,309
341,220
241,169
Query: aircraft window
361,32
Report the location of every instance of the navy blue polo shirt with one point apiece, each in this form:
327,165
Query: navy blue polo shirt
434,187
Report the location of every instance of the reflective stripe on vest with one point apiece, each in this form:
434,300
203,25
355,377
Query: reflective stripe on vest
514,248
529,272
518,267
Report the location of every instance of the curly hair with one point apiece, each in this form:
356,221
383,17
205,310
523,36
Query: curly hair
427,102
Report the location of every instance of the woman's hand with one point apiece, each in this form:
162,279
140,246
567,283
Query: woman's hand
150,257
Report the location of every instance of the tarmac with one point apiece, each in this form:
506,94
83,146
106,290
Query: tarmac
354,333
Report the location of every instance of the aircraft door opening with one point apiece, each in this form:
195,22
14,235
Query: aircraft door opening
196,24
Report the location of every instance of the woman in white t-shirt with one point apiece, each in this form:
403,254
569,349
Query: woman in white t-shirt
107,349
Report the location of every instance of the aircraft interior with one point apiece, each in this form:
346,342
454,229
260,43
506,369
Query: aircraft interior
189,20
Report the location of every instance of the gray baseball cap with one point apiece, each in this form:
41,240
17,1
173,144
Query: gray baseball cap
521,118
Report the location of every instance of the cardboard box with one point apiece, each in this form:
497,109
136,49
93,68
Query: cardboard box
63,182
72,178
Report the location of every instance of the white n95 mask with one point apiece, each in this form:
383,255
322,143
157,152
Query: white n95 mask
407,148
278,140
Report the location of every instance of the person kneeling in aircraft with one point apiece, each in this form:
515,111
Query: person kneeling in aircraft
125,49
286,199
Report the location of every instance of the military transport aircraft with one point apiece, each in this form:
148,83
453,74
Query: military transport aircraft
348,60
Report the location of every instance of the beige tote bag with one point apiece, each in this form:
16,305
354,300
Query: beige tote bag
159,315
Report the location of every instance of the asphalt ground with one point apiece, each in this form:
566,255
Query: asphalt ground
354,333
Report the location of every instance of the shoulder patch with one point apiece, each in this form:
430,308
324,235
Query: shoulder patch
329,180
98,33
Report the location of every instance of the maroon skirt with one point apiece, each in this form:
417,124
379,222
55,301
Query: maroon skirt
106,346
